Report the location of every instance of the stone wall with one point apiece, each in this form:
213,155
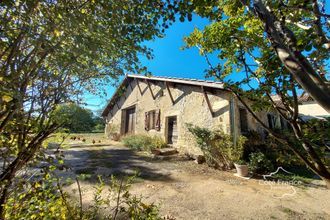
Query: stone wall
189,106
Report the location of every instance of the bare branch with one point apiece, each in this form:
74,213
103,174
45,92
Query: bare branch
317,23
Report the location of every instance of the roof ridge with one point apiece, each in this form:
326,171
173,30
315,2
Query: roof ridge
174,77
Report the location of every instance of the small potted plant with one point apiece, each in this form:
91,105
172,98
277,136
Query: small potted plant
236,155
242,168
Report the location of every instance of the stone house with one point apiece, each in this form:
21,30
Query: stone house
307,107
163,106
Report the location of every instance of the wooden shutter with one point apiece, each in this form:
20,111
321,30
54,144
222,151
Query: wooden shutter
146,121
157,118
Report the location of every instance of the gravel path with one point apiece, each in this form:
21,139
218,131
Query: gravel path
186,190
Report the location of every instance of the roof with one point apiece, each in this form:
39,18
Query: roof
184,81
305,97
187,81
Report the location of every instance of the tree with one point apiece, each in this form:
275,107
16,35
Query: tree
290,50
50,53
99,124
74,117
276,51
297,32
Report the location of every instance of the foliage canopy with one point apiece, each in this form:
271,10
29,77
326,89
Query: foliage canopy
277,51
53,51
77,119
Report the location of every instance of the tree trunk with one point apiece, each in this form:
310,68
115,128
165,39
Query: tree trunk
317,166
327,182
294,61
315,163
3,198
325,176
6,177
21,160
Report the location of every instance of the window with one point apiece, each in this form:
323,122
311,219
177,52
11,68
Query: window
284,123
271,121
243,120
276,121
152,120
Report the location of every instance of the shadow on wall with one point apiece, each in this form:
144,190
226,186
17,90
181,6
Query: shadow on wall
221,111
180,97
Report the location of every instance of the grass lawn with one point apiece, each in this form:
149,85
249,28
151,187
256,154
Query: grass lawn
80,138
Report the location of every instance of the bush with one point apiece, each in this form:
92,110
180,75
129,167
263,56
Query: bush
74,117
259,163
276,152
45,199
36,199
157,142
143,142
99,128
112,131
218,147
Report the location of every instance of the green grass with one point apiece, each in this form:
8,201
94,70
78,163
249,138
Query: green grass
291,213
299,174
68,138
287,210
87,137
91,139
293,178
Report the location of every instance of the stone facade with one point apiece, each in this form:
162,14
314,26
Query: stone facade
189,106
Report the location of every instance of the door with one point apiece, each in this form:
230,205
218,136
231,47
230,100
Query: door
243,120
130,121
172,132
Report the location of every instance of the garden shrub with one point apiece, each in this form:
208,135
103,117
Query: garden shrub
318,132
259,163
40,195
276,152
112,131
36,200
45,199
98,128
218,147
143,142
158,142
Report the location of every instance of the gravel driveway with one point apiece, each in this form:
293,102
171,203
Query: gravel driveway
186,190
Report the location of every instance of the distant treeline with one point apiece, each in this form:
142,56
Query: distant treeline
77,119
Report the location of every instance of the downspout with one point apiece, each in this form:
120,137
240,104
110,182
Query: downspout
232,112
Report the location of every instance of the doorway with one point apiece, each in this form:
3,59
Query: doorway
130,121
172,130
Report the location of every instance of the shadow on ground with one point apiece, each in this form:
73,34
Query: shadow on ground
118,161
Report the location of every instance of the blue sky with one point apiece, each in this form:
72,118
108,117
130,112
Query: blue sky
169,59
